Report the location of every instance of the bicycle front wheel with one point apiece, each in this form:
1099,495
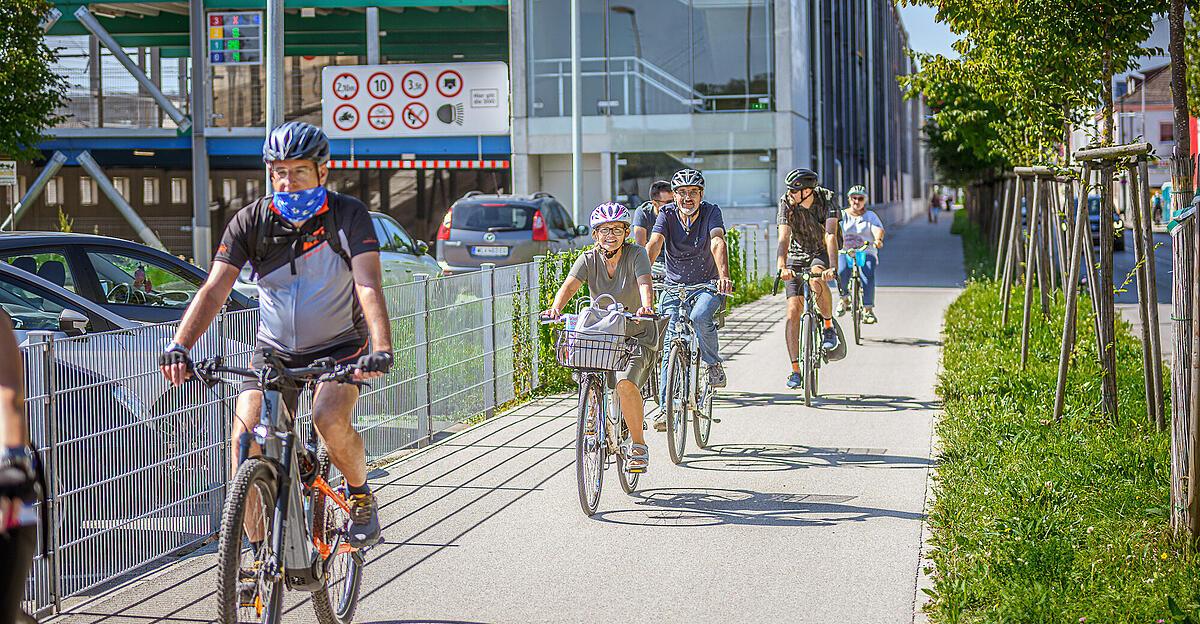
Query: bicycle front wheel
703,418
337,600
809,334
676,408
856,302
589,445
245,594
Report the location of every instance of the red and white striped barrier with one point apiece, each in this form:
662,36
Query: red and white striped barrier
418,164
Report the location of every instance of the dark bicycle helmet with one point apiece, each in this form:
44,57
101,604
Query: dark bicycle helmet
687,177
296,140
801,179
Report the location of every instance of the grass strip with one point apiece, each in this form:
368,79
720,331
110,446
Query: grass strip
1042,521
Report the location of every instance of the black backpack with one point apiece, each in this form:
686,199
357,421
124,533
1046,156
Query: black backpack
270,229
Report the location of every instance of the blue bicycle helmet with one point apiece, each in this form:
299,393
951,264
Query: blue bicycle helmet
296,140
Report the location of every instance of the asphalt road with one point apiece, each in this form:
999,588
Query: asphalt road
793,514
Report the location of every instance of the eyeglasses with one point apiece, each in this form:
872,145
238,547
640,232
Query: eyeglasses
689,192
298,173
611,231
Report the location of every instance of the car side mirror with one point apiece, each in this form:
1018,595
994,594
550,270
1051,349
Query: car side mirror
582,230
72,322
422,248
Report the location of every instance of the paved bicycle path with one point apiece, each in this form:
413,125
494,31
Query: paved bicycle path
794,514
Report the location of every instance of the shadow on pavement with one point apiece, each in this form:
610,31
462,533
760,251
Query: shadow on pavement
906,342
713,507
838,402
781,457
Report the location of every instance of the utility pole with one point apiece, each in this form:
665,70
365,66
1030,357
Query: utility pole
198,94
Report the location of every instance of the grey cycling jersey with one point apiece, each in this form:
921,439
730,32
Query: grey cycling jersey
307,300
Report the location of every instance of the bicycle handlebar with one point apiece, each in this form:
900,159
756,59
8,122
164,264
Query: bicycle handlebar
561,319
321,371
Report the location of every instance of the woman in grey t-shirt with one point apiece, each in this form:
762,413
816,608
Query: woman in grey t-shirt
616,267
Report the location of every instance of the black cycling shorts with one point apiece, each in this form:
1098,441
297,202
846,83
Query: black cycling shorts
344,353
814,263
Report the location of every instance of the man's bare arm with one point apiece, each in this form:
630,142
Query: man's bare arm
368,285
12,387
657,240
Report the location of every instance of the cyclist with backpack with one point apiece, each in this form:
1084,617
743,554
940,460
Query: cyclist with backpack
644,218
316,256
621,270
808,239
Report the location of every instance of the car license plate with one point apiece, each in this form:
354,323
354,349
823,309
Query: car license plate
492,252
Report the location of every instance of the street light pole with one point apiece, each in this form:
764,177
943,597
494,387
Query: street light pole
637,50
576,120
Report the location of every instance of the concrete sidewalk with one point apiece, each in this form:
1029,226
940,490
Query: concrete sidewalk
794,514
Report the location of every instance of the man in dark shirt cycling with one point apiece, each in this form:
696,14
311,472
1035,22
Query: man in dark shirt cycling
645,217
317,260
808,227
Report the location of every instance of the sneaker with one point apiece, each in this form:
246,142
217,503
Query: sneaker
364,521
716,376
829,339
660,421
842,306
869,317
795,380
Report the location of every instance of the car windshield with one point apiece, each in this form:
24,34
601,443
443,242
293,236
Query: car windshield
494,217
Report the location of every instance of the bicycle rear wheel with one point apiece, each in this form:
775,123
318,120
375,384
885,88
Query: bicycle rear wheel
676,408
628,480
703,418
589,446
244,593
856,302
809,334
336,602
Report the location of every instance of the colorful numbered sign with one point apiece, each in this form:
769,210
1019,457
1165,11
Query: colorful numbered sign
235,38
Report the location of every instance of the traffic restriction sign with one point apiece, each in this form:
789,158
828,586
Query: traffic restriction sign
449,83
381,116
345,117
415,115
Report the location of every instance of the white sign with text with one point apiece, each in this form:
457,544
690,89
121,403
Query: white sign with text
452,99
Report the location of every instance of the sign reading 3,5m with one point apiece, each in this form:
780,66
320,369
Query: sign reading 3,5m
452,99
235,38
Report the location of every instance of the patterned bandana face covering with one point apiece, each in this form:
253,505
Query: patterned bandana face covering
299,206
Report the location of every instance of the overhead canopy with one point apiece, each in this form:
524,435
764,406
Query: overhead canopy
411,30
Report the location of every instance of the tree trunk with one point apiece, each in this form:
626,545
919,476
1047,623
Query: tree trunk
1106,94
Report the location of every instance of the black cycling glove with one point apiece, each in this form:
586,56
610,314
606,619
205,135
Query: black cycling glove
175,354
376,362
18,479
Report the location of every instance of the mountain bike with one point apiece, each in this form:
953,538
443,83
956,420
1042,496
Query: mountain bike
601,435
687,394
812,353
283,523
856,257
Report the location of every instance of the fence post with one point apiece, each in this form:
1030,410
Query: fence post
1152,283
766,228
421,336
488,277
50,439
535,295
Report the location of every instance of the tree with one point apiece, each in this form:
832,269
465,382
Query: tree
30,92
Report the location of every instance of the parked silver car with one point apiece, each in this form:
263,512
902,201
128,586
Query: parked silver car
505,229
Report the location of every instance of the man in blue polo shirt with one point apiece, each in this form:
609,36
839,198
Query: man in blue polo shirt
691,232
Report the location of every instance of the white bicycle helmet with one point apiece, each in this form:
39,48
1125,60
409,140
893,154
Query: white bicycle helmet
687,177
610,212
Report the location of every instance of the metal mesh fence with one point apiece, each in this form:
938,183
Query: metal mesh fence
137,468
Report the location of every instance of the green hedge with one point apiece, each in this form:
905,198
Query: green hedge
1042,521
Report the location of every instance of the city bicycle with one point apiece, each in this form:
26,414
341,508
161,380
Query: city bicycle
812,354
687,394
284,525
856,257
601,435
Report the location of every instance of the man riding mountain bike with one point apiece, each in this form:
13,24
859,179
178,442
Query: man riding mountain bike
808,228
317,260
691,232
645,217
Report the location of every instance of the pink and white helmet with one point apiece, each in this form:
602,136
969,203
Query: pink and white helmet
610,212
